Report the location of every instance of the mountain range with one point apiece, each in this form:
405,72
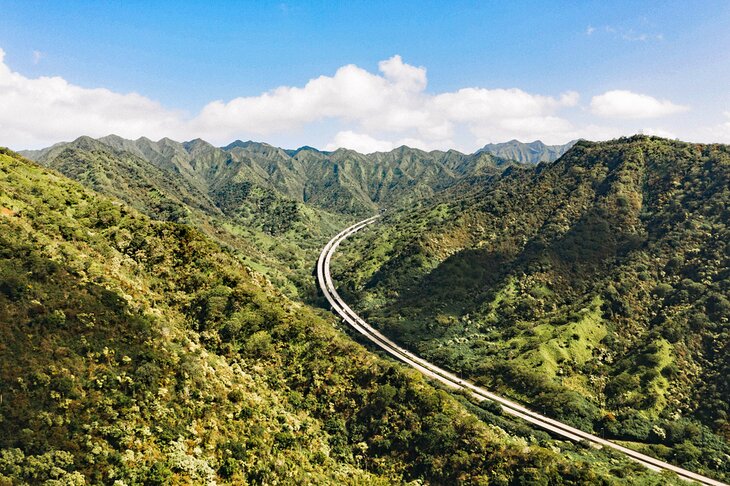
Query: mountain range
139,351
343,181
160,322
275,206
595,287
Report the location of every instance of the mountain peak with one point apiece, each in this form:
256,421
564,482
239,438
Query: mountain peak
246,144
112,138
527,153
85,142
196,145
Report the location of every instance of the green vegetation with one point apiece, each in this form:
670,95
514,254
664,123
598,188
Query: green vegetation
596,288
277,236
136,351
275,207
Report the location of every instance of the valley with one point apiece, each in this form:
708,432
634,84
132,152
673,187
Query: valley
364,243
497,271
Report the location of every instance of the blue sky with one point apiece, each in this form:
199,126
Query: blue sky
467,73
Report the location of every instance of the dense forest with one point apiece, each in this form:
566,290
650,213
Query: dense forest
276,207
137,351
596,288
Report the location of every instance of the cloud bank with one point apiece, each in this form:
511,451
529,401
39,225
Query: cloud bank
625,104
361,110
45,110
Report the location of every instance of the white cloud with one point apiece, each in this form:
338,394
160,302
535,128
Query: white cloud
626,104
364,143
391,102
37,56
368,111
41,111
359,142
352,108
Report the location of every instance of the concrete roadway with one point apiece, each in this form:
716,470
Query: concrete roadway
454,382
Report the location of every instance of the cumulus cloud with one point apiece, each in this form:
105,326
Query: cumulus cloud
353,108
359,142
626,104
370,111
387,109
364,143
389,102
37,112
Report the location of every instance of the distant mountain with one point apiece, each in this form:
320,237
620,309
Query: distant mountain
247,193
343,181
293,152
527,153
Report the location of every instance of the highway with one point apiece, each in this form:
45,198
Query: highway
454,382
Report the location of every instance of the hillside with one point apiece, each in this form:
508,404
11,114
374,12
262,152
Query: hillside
277,208
595,288
277,236
342,181
527,153
141,351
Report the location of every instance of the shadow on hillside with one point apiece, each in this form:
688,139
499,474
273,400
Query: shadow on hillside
574,262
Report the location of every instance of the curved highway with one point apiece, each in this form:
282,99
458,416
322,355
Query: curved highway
452,381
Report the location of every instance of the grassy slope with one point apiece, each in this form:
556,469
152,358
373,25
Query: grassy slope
143,351
596,287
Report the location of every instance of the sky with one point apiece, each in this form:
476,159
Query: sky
369,75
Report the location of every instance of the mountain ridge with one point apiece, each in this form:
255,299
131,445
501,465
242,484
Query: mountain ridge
597,284
527,153
342,180
513,147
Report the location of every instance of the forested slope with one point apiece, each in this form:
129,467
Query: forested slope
277,236
142,351
596,288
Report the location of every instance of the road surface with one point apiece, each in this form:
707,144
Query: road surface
452,381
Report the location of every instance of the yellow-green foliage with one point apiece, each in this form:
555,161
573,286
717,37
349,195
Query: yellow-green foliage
144,352
595,287
571,343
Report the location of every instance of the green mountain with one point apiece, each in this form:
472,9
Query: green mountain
277,208
527,153
342,181
178,182
596,288
137,351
